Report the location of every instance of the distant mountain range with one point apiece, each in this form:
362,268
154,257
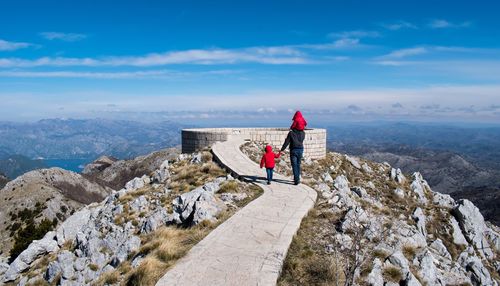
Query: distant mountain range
27,146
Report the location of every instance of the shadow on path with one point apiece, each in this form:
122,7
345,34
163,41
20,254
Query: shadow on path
263,180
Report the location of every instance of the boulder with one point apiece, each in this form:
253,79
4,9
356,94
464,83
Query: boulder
72,225
196,159
37,248
197,205
341,184
397,175
428,271
354,219
136,183
443,200
418,186
419,218
162,174
354,162
478,273
154,221
474,228
440,248
458,236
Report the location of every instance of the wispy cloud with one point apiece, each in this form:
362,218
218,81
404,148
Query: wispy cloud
150,74
442,24
399,25
67,37
272,55
402,53
12,46
355,34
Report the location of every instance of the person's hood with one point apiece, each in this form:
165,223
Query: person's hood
297,115
269,149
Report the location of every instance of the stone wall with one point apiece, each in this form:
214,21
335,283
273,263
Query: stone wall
196,139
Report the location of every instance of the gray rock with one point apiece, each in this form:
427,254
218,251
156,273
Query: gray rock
37,248
154,221
366,168
418,186
354,162
440,248
478,273
66,260
361,192
458,237
399,193
233,197
134,184
443,200
428,270
139,204
341,184
399,260
53,270
197,205
419,217
72,225
327,178
375,277
354,218
196,159
397,175
474,228
162,174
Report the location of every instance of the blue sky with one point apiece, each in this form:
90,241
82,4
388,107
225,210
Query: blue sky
416,60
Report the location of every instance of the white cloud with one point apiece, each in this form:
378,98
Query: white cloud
152,74
441,24
355,34
399,25
12,46
277,55
402,53
67,37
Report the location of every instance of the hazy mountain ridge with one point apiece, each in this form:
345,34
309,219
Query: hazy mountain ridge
86,138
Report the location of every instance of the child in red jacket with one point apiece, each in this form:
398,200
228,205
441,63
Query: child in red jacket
268,161
299,123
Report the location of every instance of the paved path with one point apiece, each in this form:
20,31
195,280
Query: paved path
249,247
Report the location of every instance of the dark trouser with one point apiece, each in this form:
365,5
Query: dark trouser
269,172
296,158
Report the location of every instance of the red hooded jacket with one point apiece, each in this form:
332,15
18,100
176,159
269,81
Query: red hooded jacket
299,123
268,158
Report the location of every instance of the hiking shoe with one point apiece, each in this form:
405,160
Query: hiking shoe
268,182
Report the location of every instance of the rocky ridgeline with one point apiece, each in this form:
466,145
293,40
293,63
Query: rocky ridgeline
99,237
397,231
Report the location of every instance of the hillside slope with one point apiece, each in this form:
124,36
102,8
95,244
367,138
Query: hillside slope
36,198
375,225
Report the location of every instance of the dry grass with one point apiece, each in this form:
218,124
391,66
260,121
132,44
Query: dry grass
229,187
392,273
409,251
307,263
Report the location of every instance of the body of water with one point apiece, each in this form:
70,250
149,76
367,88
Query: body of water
75,165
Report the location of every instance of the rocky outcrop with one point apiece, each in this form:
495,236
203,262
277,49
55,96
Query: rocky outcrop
473,226
198,205
118,173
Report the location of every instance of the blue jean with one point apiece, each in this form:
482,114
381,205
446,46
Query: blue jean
269,172
296,158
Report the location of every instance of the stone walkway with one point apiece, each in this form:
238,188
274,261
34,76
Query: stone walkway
248,248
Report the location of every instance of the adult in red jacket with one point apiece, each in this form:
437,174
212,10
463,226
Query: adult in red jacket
268,161
299,123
